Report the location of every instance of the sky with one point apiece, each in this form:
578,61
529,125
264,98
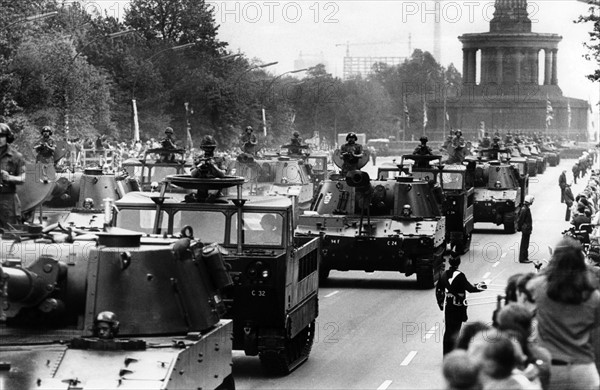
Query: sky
280,30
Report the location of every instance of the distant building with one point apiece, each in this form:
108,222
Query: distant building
363,66
309,60
509,94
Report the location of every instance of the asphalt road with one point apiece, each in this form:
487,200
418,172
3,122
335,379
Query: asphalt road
377,331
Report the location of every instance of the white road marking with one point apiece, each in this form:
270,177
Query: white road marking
331,294
411,355
486,275
384,385
503,255
495,264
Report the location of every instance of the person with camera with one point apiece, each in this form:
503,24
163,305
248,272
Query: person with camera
12,173
45,147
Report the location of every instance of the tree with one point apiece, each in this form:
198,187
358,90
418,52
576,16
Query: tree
593,45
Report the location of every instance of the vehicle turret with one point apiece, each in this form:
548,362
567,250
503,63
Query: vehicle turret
166,298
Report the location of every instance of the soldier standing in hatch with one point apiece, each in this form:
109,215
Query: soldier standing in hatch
423,149
167,143
12,173
295,146
249,141
351,152
45,147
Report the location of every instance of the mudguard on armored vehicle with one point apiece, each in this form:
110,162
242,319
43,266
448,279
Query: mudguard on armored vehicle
497,194
102,311
383,225
273,299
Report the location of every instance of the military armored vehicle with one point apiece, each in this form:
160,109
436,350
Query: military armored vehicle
380,225
551,152
506,156
273,301
543,157
456,181
498,194
155,165
531,162
275,175
103,311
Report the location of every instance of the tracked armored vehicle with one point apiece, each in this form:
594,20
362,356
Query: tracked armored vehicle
498,194
275,175
103,311
273,299
381,225
456,181
506,156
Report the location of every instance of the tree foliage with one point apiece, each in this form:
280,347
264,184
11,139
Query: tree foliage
593,45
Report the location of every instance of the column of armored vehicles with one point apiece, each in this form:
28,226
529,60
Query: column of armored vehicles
208,263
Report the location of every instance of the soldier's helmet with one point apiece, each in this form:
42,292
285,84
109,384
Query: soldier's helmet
208,142
351,135
296,134
406,210
423,139
169,130
46,129
458,133
249,128
88,203
5,131
104,319
529,199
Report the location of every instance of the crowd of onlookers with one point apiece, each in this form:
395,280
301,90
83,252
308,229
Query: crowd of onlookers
545,336
546,333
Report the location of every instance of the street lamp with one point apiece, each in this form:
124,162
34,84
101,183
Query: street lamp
253,68
109,36
31,18
283,74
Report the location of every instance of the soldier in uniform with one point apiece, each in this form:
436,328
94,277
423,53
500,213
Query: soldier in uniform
168,143
106,326
45,147
456,150
295,146
451,289
12,170
207,167
485,141
525,226
351,152
423,149
249,141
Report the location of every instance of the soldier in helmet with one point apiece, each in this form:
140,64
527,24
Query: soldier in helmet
423,149
168,143
351,152
45,147
296,145
12,173
106,326
207,166
456,150
249,141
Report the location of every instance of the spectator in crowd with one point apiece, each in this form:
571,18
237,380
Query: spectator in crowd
461,372
518,319
568,199
568,309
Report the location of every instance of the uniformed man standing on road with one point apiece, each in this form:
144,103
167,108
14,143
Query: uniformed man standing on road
12,171
45,147
525,226
451,292
562,183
